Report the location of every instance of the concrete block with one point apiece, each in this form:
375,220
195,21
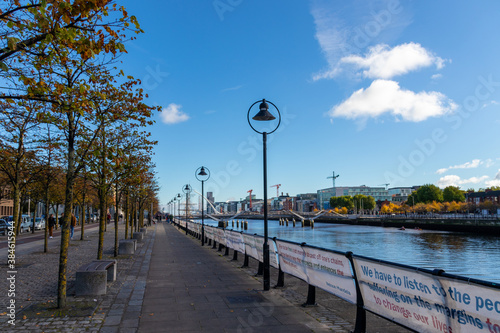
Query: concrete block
127,246
91,283
139,236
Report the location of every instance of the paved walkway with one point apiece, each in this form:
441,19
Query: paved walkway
191,289
171,284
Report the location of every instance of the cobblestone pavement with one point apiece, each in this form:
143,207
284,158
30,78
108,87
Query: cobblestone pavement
36,286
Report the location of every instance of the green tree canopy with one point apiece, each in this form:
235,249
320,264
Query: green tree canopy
453,193
429,193
343,201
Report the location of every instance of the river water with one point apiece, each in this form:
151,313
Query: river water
469,255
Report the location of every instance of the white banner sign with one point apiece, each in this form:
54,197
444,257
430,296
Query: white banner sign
221,238
250,247
425,302
323,269
209,232
234,240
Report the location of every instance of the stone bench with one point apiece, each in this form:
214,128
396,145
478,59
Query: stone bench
127,246
139,236
92,278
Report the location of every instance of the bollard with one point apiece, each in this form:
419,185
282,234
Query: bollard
246,225
226,252
237,224
312,224
214,246
235,255
233,223
293,223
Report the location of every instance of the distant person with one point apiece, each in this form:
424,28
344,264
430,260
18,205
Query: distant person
52,224
72,225
109,217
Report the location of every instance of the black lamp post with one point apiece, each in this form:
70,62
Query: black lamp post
187,190
203,175
265,115
178,205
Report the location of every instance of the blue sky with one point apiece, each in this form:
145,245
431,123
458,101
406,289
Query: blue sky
399,92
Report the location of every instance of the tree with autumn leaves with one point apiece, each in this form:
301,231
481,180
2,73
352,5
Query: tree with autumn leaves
59,53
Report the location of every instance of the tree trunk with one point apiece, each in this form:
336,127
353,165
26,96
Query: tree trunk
102,222
116,219
17,210
65,230
45,240
126,214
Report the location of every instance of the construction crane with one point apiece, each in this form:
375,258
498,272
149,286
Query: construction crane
250,196
333,177
277,189
386,185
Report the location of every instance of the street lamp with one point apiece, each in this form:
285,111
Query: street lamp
265,115
202,176
187,190
179,205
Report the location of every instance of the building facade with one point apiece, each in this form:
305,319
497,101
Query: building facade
324,195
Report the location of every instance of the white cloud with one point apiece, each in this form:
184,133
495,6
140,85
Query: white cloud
340,33
382,62
494,182
441,171
172,114
385,96
467,165
231,88
436,76
485,105
454,180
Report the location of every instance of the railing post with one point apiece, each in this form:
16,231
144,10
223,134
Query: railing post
281,279
226,252
311,296
360,325
260,270
210,242
220,247
235,255
245,261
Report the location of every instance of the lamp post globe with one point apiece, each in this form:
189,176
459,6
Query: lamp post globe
202,174
265,115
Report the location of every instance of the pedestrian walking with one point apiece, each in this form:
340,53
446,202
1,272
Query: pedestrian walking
52,224
109,217
72,225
